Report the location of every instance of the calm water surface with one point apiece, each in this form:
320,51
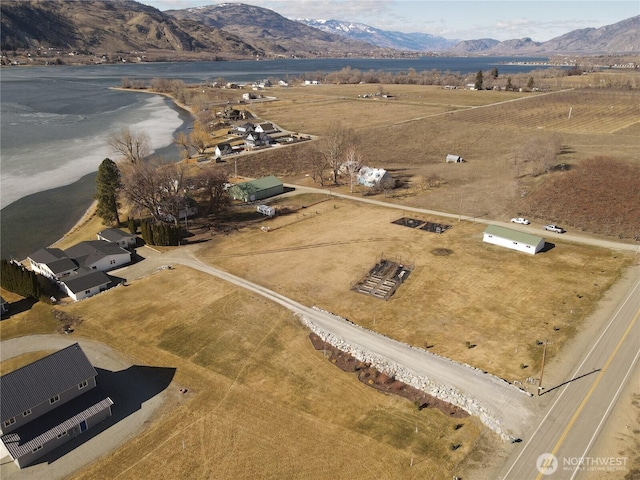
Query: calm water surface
55,122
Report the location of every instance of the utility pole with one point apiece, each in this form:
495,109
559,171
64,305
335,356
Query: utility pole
544,356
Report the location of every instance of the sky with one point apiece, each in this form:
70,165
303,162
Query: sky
452,19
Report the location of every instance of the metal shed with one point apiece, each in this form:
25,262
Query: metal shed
521,241
257,189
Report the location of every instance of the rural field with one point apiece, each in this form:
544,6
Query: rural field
261,401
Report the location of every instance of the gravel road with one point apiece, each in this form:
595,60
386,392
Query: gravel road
501,406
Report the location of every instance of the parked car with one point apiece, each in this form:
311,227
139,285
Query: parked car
554,228
520,220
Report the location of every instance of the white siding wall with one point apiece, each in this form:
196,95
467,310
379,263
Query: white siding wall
105,264
505,242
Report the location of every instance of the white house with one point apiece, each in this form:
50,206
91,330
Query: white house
505,237
117,236
266,128
372,177
52,263
98,255
253,140
84,283
245,128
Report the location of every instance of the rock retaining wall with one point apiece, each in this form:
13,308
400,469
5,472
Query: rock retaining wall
446,393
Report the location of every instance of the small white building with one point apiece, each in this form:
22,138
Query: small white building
84,283
454,159
373,177
117,236
513,239
266,210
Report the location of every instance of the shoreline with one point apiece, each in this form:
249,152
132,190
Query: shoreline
82,221
49,231
178,104
91,210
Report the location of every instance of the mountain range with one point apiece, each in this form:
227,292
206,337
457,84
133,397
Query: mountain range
239,31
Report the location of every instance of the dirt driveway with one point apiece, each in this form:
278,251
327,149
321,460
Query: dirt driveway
137,391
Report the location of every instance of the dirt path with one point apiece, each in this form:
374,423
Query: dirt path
533,229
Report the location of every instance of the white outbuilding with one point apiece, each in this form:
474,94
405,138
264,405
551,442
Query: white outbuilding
521,241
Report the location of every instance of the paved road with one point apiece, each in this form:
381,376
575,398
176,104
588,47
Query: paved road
579,408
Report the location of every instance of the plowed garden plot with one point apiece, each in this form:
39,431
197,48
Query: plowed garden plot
435,227
383,279
422,225
408,222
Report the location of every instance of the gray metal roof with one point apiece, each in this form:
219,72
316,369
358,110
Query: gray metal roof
47,255
114,234
89,252
62,419
62,265
85,280
39,381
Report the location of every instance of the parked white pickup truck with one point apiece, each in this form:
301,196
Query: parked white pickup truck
554,228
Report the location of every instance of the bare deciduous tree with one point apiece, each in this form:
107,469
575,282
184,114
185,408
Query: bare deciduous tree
200,139
352,165
318,165
213,182
182,140
140,187
128,146
153,189
333,146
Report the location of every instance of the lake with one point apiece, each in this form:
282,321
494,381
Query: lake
55,122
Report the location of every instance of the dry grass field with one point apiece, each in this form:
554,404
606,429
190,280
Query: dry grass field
261,401
502,301
410,133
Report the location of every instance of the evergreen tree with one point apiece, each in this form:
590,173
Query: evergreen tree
107,186
18,279
479,80
131,224
509,86
530,83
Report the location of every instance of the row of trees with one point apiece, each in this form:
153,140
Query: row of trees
160,233
17,279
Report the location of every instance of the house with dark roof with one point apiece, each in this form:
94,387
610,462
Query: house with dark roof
223,149
84,283
78,271
98,255
254,140
117,236
244,129
266,127
52,263
49,402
